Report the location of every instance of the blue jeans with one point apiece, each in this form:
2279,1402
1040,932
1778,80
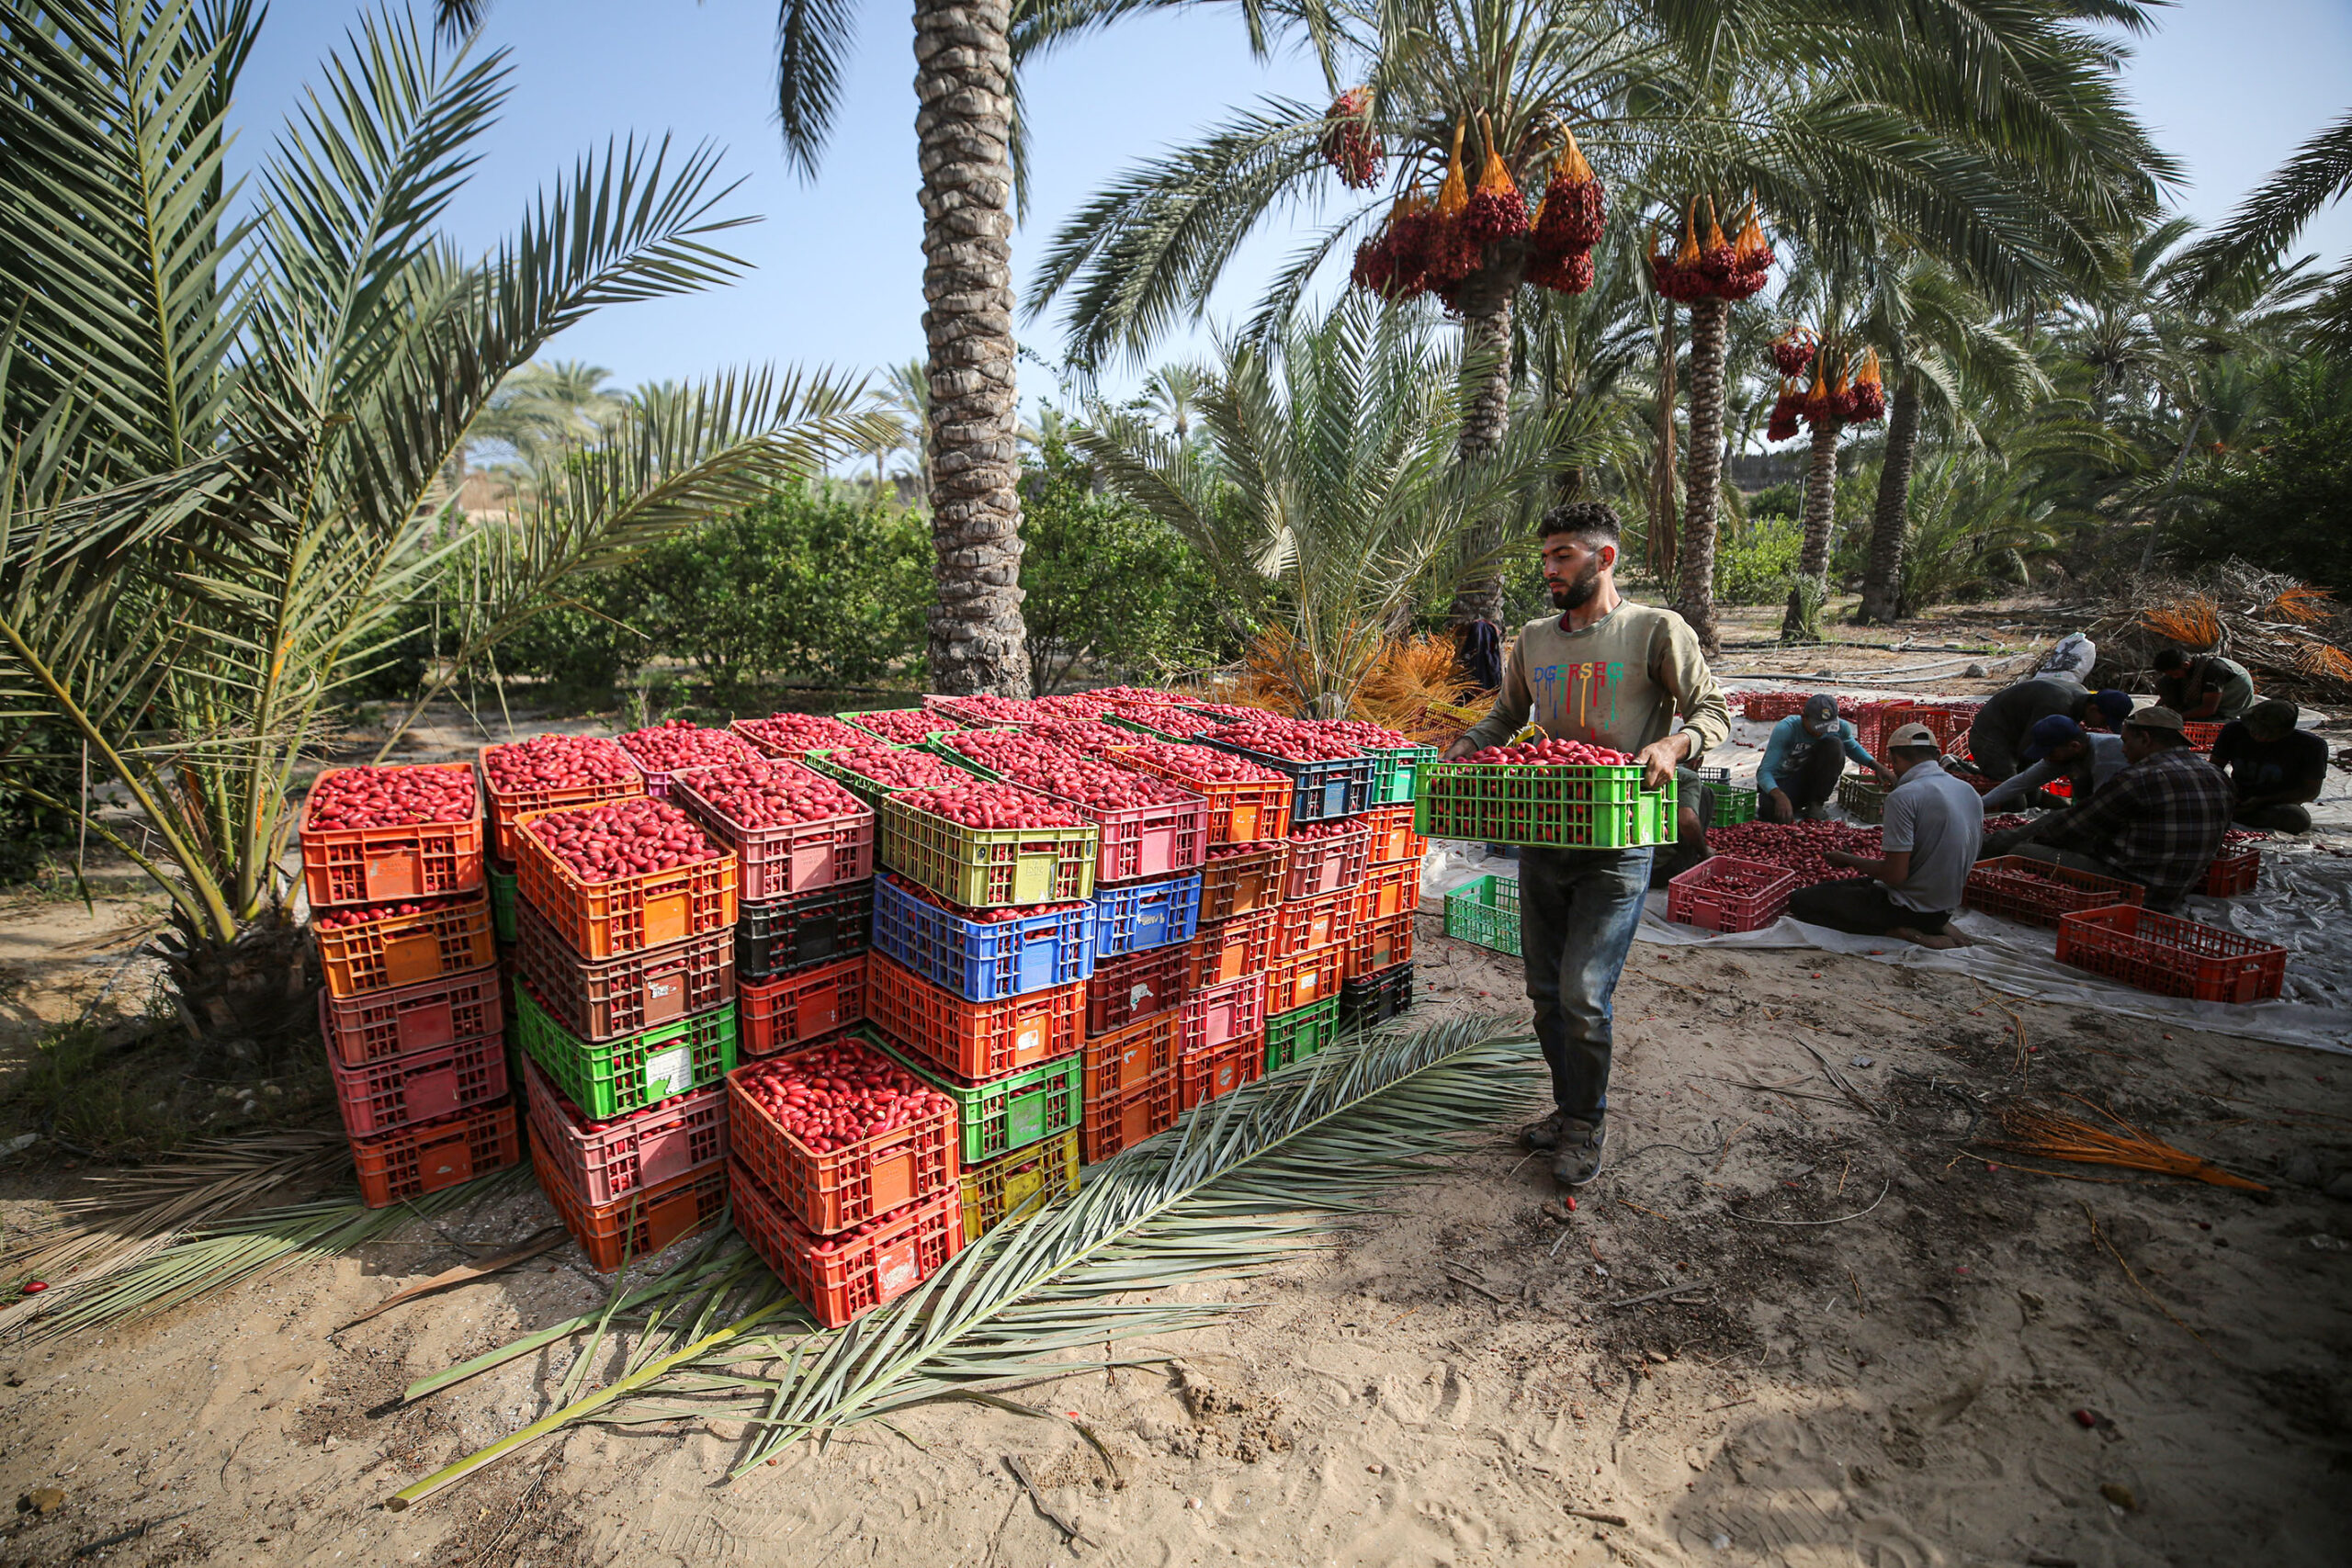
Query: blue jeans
1578,910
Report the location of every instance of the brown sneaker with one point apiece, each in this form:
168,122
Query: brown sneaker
1541,1136
1582,1151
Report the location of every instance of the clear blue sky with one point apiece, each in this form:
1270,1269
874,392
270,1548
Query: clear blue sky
2229,86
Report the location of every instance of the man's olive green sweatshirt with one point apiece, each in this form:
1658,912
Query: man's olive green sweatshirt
1620,682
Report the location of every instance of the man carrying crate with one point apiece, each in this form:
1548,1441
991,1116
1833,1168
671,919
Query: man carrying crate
1619,674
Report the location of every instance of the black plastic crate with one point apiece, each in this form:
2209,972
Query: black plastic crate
1376,998
788,934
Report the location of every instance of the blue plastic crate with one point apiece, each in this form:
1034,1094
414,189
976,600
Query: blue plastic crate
983,961
1139,916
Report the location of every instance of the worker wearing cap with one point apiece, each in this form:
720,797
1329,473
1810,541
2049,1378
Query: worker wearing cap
1999,731
2059,747
2158,823
1804,758
2107,711
2074,657
2275,769
1934,827
2203,689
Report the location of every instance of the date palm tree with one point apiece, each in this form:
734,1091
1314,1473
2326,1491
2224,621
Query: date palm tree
2240,253
225,424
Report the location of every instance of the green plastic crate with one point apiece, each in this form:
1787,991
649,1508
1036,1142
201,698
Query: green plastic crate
613,1078
1397,768
1485,913
987,868
1297,1035
1556,807
938,747
502,904
1733,806
1007,1113
1863,799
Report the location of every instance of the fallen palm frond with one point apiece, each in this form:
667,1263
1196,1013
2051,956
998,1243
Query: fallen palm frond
1241,1183
2293,635
201,1262
2193,621
2034,1131
136,1213
2304,604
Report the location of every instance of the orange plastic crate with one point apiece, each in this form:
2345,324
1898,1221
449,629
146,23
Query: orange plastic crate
1315,867
1302,981
1375,944
2038,892
1223,1012
831,1192
632,1228
432,1155
628,914
1238,883
974,1041
837,1283
628,995
2171,956
508,807
377,865
423,1086
1393,838
629,1154
2230,875
2200,737
378,1024
1310,923
1215,1070
407,949
1389,891
1135,986
1125,1057
795,1009
791,859
1230,949
1239,813
1127,1117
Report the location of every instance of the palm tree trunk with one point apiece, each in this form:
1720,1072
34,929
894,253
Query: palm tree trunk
1485,416
1663,550
1803,622
1882,584
962,76
1703,484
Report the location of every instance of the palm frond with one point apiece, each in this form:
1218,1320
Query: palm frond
2268,220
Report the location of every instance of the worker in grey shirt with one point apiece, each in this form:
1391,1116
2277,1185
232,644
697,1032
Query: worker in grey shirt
1934,825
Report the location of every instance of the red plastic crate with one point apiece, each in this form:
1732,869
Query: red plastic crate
638,1225
1393,838
628,914
975,1041
839,1281
423,1086
2171,956
1230,949
1238,883
1950,725
1239,812
1134,986
1302,981
831,1192
2230,875
1315,867
795,858
798,1008
508,808
1389,891
395,1167
1373,945
1125,1057
1768,708
1310,923
1727,894
407,949
1222,1012
377,865
381,1024
609,997
1204,1074
1124,1119
602,1164
2038,892
2200,737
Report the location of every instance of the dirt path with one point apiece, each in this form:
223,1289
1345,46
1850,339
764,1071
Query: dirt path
1470,1379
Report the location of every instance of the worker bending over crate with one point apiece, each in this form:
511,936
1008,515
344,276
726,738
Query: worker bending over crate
1804,759
1935,824
1614,673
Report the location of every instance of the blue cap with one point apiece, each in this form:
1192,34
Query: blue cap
2048,734
2113,705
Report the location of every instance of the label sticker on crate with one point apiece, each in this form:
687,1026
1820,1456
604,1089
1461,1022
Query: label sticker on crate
1139,997
897,1268
1032,1035
1303,990
669,1072
666,997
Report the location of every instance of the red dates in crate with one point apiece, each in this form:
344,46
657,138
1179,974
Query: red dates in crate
896,767
1000,914
786,732
682,743
1551,754
1203,764
623,839
332,919
557,761
1167,720
992,806
393,797
840,1095
1073,775
1300,740
772,794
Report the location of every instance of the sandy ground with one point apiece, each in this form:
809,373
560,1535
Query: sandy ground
1783,1328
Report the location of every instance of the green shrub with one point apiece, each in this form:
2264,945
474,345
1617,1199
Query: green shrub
1755,563
2287,506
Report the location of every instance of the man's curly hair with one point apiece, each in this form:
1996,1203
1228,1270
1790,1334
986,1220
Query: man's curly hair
1594,522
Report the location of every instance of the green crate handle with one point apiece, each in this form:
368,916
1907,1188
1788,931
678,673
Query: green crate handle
991,1122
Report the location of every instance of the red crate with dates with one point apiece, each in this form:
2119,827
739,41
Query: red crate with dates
838,1133
839,1278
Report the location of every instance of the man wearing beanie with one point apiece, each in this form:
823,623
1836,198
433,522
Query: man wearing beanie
2275,769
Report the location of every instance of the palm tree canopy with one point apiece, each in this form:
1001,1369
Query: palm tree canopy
2265,223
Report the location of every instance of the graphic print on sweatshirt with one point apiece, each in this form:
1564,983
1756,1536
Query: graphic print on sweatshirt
1583,696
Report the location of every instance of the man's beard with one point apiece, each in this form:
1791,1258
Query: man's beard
1577,593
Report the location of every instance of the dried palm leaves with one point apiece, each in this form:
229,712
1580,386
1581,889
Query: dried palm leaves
2034,1131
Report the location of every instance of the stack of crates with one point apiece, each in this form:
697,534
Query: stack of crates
625,1011
984,943
412,1015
